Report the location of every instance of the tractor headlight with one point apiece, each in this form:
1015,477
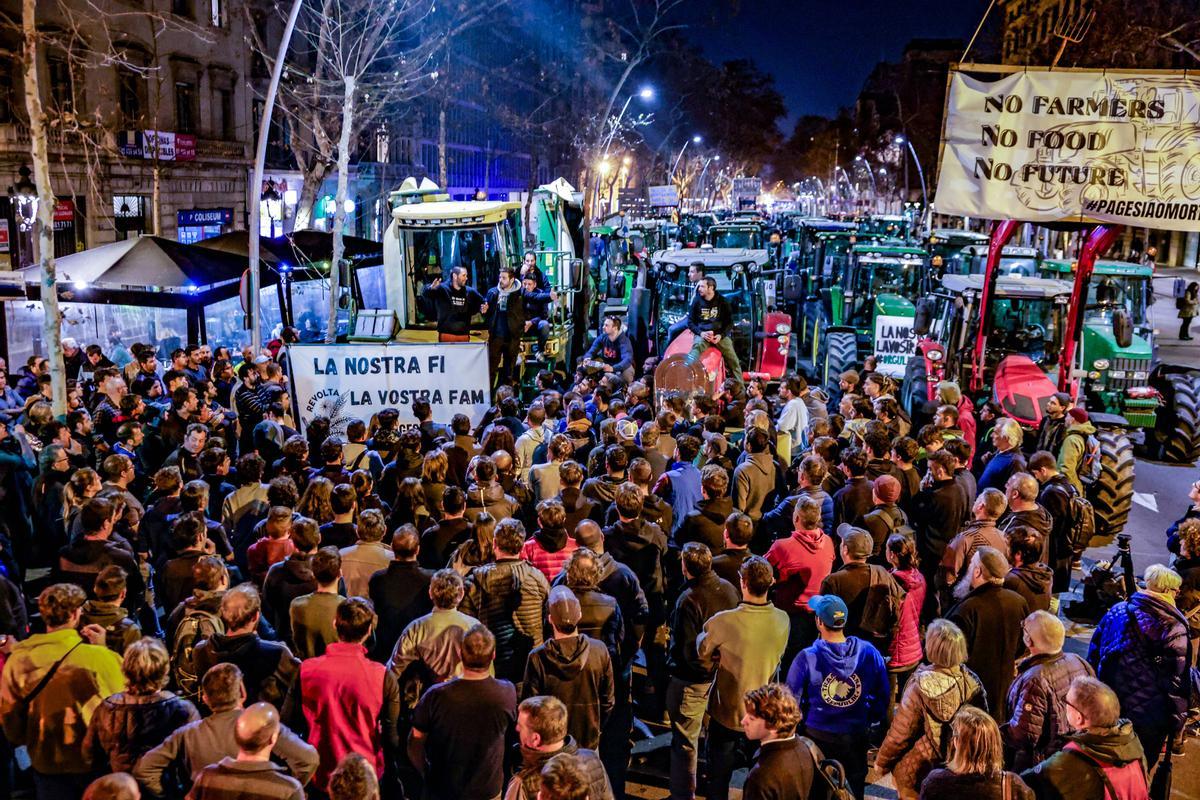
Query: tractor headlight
1117,374
1140,376
739,268
1100,364
1094,376
935,355
672,268
783,329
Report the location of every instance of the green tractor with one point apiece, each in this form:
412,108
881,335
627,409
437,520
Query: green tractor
886,227
1163,401
947,250
865,310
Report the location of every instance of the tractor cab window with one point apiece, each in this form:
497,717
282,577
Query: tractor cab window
735,238
432,253
1012,265
1108,292
1029,326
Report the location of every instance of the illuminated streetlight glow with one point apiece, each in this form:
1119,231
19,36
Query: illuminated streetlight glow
646,93
697,139
604,167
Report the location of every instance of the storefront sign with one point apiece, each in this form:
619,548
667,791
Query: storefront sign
205,216
1047,146
894,344
347,382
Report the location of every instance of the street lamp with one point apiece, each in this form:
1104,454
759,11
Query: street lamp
697,139
646,93
920,173
870,174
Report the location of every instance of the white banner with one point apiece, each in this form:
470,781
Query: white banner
664,196
1046,146
894,344
346,382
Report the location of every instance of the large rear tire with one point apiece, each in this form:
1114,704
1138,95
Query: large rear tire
839,351
914,390
1179,427
1112,493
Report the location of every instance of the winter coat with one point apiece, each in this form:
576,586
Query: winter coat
801,562
680,486
119,630
968,424
621,584
918,738
548,550
508,596
1074,448
782,769
943,784
851,583
1036,518
528,779
56,722
490,497
777,523
744,644
754,484
1140,649
1000,467
906,647
853,502
639,545
1068,776
974,535
938,513
842,687
400,594
579,671
125,726
990,617
706,524
285,581
82,560
1189,302
654,509
267,667
1038,727
1033,582
439,541
701,598
601,619
1055,498
434,640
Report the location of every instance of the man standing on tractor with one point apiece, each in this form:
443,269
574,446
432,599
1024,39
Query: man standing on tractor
611,350
537,310
530,269
694,274
506,325
454,306
711,319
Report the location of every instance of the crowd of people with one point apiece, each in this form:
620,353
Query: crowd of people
199,599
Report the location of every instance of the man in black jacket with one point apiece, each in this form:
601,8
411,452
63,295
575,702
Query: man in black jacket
706,524
454,306
703,595
291,577
439,541
937,517
573,667
711,320
82,560
852,581
506,325
268,668
542,725
736,537
855,500
400,593
537,310
1055,497
783,765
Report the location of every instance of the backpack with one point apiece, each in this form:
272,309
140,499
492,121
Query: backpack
1089,467
895,526
196,626
829,776
1083,521
881,611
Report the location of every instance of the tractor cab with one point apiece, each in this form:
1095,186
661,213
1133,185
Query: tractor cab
1014,260
948,250
881,227
874,273
735,237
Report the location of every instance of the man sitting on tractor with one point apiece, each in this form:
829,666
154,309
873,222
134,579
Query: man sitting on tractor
611,351
537,311
710,318
695,274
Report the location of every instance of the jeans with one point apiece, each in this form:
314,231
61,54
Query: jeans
1152,740
1184,324
674,331
615,746
541,328
851,750
733,368
686,704
725,750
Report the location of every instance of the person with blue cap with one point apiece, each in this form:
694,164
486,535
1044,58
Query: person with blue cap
842,684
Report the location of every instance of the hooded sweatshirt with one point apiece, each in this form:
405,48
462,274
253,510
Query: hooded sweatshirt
119,630
802,561
1069,776
842,686
1074,448
548,550
1031,581
577,670
753,481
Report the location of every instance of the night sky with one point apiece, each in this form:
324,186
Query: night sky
821,51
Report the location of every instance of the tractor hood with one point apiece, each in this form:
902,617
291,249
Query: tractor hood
1022,389
1099,342
894,305
715,257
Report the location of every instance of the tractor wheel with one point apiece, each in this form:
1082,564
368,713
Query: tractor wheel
1112,493
914,390
839,352
1180,425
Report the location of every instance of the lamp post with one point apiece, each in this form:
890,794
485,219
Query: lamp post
697,139
871,175
704,186
920,173
23,197
646,93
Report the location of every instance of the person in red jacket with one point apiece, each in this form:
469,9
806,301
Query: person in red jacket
801,562
905,653
343,701
551,545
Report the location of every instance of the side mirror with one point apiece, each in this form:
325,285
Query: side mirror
577,274
344,272
1122,327
923,316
